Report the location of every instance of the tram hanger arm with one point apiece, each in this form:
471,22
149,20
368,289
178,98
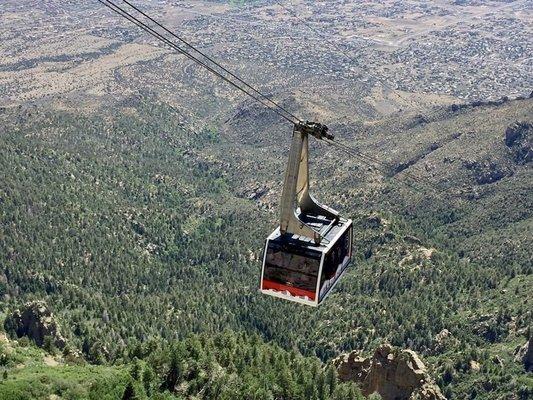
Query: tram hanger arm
320,131
295,195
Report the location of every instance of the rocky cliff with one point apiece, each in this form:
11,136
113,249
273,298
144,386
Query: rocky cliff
524,355
36,321
392,373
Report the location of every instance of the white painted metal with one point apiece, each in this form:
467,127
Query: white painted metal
347,225
297,202
295,193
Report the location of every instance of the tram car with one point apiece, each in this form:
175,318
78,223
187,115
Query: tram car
310,250
295,268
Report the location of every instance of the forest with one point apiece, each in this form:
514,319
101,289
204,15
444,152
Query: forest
223,366
140,243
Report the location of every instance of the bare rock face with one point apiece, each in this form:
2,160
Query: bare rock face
35,321
524,355
352,367
392,373
428,391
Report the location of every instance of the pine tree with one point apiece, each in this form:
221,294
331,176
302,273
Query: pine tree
148,378
136,370
321,386
129,392
331,379
174,373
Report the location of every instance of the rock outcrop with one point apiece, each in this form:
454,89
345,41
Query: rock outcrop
489,327
37,322
524,355
443,341
488,171
519,138
392,373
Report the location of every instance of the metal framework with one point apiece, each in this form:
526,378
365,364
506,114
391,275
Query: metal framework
295,195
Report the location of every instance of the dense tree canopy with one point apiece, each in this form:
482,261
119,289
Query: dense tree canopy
137,239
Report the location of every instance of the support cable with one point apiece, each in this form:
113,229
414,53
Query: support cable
263,99
123,13
386,170
211,60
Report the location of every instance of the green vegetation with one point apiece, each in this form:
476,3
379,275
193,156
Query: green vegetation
223,366
134,234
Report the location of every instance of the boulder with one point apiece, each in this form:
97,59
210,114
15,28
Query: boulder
474,366
257,193
36,321
392,373
497,360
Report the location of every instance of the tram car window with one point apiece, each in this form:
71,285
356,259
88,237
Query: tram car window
335,262
291,268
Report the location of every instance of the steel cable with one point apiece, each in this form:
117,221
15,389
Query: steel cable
211,60
120,11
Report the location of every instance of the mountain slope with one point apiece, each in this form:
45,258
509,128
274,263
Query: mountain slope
135,229
225,366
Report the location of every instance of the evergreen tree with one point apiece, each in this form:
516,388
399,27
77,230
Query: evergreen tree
174,373
129,392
